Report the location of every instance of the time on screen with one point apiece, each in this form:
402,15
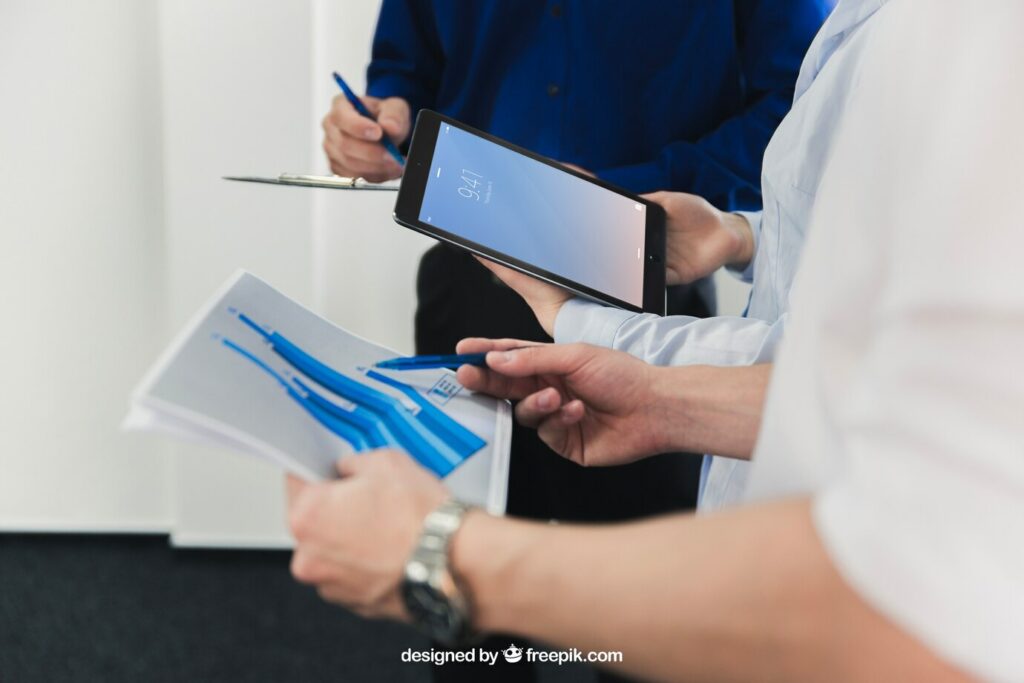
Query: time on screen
470,188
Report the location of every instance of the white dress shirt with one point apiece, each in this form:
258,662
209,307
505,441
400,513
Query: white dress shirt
793,164
897,399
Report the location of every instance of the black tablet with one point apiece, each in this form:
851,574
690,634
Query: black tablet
480,193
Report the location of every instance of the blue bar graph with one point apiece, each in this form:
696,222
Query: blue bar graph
364,417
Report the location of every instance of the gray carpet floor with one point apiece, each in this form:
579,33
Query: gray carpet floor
129,608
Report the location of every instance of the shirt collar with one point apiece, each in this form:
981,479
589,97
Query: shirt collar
847,16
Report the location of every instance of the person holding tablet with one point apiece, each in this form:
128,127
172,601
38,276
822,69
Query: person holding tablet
896,391
567,80
763,247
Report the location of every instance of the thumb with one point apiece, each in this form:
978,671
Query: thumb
359,464
550,359
660,198
393,116
351,465
295,486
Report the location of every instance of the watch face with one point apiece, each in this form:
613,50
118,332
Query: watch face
431,610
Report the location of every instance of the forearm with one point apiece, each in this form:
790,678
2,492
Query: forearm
707,409
766,603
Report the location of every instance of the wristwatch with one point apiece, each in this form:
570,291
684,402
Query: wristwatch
431,594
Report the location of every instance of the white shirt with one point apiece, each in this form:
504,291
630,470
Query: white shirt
897,399
793,163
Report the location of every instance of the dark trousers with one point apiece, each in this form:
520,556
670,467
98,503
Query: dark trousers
458,298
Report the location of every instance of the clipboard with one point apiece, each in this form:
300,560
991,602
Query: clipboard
333,182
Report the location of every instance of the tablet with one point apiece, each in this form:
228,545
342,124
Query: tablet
490,197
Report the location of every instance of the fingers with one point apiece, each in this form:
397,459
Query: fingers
543,298
572,412
361,463
357,151
548,359
549,405
666,199
579,169
473,378
350,465
559,430
357,159
352,141
524,285
483,345
348,121
294,486
484,381
304,507
537,407
494,384
503,273
394,116
659,197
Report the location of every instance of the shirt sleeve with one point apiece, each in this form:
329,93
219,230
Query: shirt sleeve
926,518
724,166
753,218
672,340
406,59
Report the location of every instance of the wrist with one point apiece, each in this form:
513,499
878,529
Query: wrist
711,409
678,392
743,249
664,399
546,314
549,316
484,556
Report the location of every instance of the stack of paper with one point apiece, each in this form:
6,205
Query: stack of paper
256,372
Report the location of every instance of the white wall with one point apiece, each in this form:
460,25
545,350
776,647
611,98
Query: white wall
81,263
118,119
236,101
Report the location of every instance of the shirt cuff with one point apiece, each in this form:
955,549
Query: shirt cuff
747,272
584,321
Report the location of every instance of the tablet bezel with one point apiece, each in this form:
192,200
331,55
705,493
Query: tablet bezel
414,183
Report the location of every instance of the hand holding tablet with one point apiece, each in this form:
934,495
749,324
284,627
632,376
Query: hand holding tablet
534,215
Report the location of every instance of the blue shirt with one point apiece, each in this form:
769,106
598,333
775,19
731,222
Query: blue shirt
648,94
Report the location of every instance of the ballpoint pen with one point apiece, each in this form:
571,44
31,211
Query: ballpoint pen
451,361
361,108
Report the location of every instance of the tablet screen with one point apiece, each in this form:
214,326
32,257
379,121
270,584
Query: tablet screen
496,197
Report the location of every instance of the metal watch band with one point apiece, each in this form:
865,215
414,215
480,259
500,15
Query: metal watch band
432,596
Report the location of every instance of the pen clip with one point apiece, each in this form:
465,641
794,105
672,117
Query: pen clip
303,179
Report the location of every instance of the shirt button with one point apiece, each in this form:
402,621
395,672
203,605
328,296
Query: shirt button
553,89
556,11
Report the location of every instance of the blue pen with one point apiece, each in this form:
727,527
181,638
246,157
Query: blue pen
361,108
451,361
